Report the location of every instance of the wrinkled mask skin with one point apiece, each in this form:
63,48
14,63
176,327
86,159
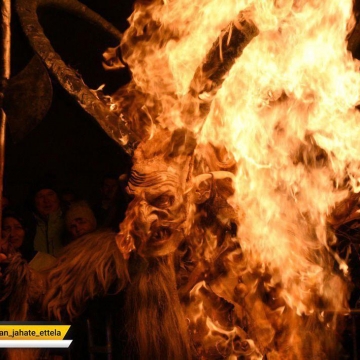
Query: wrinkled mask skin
156,219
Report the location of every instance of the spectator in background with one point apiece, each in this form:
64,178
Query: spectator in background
18,232
50,227
80,219
108,191
67,197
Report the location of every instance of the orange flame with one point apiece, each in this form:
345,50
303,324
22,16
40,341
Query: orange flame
286,112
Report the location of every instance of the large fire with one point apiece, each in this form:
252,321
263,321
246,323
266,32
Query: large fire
285,118
241,118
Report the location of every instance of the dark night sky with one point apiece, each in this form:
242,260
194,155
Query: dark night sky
68,144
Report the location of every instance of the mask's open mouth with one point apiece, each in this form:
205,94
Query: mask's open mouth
160,236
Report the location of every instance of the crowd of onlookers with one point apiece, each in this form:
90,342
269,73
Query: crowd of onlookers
47,221
51,219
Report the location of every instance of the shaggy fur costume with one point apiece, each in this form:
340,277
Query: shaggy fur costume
93,261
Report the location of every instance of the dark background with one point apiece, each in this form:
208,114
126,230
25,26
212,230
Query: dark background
68,145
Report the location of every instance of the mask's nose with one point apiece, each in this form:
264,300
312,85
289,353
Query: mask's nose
146,217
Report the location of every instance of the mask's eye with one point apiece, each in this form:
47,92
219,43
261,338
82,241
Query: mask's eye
163,201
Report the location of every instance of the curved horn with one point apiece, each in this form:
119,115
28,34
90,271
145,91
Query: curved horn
216,175
113,124
201,195
211,74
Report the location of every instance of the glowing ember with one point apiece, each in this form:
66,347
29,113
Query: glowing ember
285,121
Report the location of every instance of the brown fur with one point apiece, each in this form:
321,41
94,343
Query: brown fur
157,325
91,266
19,289
16,286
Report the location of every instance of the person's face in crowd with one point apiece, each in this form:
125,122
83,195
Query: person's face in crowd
109,188
79,227
46,202
13,231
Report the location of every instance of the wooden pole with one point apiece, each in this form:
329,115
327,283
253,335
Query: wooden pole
5,75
